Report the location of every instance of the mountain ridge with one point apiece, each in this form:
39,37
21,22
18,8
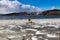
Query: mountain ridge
54,12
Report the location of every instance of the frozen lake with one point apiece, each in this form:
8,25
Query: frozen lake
23,21
18,29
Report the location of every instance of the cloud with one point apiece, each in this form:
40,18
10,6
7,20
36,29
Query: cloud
7,6
29,8
25,6
53,7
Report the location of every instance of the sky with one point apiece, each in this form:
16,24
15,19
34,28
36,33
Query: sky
8,6
44,4
11,6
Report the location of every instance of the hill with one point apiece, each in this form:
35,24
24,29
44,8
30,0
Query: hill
54,12
19,14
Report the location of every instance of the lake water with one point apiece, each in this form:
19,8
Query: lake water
26,17
16,27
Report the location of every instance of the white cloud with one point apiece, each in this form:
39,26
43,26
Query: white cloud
53,7
25,6
15,6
